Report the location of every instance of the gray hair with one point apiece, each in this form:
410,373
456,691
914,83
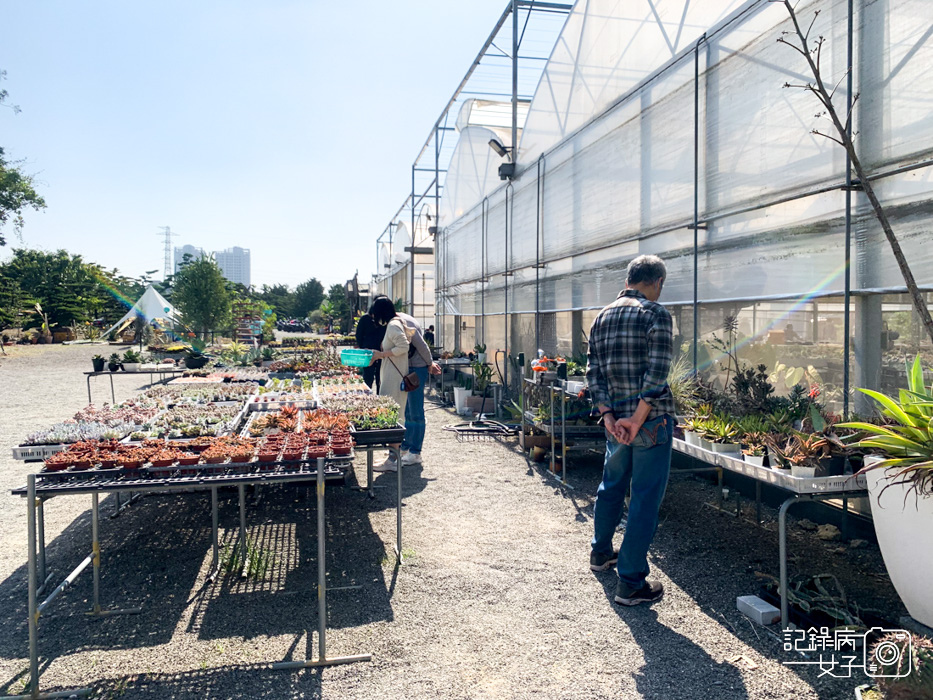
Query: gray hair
646,269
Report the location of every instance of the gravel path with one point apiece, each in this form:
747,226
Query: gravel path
495,599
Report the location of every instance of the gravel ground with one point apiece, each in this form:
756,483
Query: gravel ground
495,599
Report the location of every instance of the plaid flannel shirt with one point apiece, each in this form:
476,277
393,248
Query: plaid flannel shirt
630,353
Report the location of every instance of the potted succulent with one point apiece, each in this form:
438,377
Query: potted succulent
480,350
900,484
113,363
98,363
723,435
268,356
194,354
131,360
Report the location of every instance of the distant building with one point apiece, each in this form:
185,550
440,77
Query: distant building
234,263
180,254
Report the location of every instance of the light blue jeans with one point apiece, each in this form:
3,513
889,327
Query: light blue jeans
646,465
414,414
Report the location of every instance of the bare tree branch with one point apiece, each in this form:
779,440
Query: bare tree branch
847,142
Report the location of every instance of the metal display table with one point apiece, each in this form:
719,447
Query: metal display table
40,488
557,425
453,363
801,490
151,372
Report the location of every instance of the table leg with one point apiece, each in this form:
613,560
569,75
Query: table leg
322,659
398,506
40,518
369,473
757,502
782,555
243,562
553,446
32,584
113,396
563,437
89,388
215,538
95,550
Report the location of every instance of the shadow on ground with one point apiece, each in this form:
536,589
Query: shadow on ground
157,553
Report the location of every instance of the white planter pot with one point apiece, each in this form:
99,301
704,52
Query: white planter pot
692,438
802,472
704,443
758,461
725,447
131,366
460,397
905,536
481,357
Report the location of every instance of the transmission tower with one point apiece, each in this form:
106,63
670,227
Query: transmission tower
167,233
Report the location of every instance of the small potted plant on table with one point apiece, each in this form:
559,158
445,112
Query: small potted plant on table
98,363
131,361
113,363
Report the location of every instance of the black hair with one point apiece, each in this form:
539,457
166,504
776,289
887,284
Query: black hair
383,310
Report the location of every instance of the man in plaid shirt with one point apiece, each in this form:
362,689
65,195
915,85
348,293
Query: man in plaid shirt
630,352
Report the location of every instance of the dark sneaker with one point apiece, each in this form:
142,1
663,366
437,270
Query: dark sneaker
649,592
602,562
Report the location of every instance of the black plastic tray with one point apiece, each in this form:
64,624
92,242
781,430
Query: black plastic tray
383,436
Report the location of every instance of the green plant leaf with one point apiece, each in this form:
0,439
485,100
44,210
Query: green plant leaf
891,405
915,376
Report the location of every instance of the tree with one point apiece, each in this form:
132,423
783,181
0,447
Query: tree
16,190
308,297
844,138
68,289
340,309
200,293
280,298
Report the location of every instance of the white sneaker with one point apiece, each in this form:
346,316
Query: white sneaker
389,465
410,458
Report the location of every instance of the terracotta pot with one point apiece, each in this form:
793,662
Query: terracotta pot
268,456
132,464
219,459
82,465
189,460
56,466
162,462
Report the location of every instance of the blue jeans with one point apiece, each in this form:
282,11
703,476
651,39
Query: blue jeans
414,414
646,465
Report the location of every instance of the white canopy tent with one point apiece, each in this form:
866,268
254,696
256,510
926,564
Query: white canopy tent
151,306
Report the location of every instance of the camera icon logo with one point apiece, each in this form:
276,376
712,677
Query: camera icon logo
891,657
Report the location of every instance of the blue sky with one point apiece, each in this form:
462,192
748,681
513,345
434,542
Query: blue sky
286,127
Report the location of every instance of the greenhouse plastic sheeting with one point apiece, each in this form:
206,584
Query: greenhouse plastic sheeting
768,191
608,47
473,173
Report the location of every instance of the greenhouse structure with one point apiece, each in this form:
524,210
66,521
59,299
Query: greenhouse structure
686,130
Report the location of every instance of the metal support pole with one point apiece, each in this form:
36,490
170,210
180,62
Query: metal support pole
113,396
563,436
40,521
32,585
369,472
322,563
553,445
757,502
322,659
89,388
95,549
215,537
846,315
244,562
782,556
398,506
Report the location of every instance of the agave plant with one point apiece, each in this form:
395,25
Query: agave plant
907,440
721,429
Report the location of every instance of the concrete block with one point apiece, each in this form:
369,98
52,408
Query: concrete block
757,610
